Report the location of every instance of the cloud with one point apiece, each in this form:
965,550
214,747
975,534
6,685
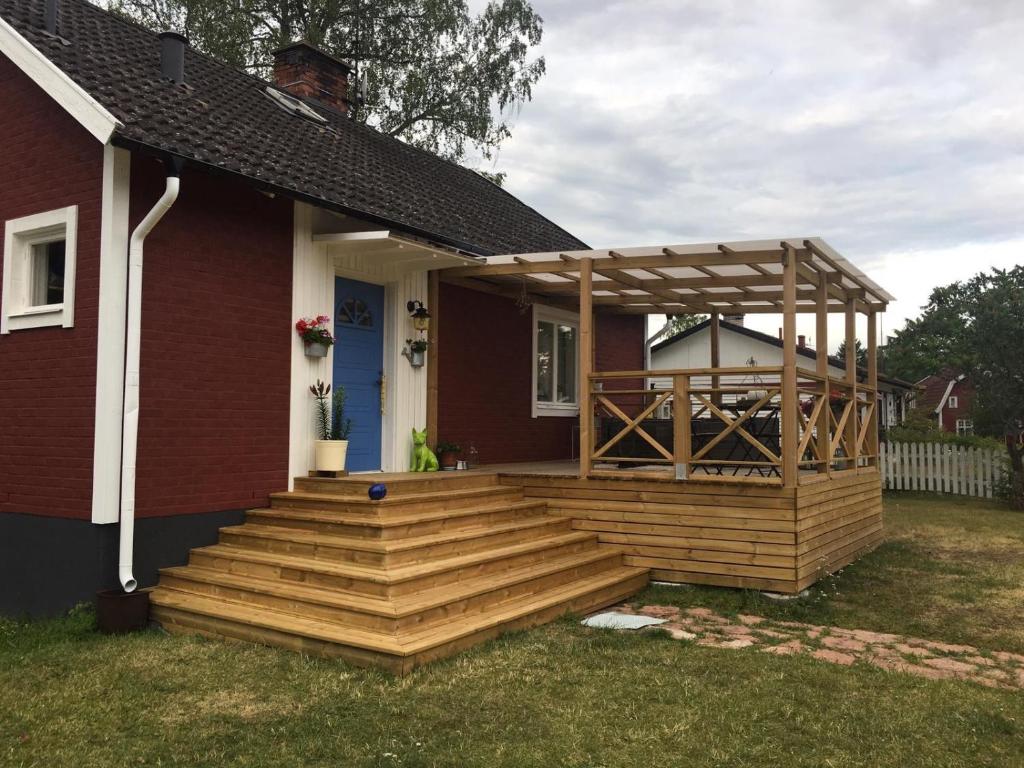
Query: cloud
895,130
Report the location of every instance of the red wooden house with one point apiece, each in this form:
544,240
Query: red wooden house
947,396
166,221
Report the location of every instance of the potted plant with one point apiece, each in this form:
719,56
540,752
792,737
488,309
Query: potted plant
414,351
315,335
332,426
447,454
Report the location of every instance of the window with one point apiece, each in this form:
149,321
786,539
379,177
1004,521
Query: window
556,362
954,401
354,312
39,270
964,427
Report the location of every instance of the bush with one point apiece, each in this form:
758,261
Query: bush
919,427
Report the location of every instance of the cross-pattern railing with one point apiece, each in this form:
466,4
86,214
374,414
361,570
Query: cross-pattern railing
728,422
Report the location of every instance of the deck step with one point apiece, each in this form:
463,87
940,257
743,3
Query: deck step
188,613
391,581
438,565
410,524
381,552
398,483
400,614
399,504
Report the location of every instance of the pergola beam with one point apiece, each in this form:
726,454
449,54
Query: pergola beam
641,308
730,300
668,258
814,249
689,283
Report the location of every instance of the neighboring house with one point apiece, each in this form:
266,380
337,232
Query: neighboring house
740,346
947,396
276,205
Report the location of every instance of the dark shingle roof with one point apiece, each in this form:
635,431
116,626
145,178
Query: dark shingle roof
223,118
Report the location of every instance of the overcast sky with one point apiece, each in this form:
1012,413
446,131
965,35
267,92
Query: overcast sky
894,129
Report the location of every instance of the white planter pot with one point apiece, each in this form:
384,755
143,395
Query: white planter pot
330,455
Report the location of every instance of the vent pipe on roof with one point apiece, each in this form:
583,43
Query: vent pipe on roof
172,56
50,16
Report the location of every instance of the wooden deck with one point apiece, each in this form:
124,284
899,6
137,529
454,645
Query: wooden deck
744,533
444,562
450,559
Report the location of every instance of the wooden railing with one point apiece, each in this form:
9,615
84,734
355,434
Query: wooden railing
727,423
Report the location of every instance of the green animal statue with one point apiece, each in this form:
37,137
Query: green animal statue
423,459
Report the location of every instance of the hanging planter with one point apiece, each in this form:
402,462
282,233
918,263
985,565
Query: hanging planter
316,338
316,350
415,352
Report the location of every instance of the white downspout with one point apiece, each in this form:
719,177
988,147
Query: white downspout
133,349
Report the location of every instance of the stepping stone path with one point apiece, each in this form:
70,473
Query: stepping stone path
896,653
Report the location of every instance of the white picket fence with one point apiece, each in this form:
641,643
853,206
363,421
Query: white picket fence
940,468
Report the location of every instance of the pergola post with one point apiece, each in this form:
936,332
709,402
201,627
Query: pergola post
851,380
789,396
821,368
716,358
433,355
872,427
586,364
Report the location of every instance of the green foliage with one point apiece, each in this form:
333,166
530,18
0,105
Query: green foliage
321,392
331,423
974,326
680,323
945,333
920,427
444,446
434,72
858,350
340,425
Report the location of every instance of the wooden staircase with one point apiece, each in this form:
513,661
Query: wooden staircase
444,562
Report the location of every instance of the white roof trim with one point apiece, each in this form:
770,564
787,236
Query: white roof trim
61,88
949,389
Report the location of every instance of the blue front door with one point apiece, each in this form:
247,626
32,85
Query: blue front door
359,366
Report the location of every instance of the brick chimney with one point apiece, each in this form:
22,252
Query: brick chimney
309,73
801,341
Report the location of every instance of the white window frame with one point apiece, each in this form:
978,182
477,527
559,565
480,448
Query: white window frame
547,314
16,310
965,427
954,401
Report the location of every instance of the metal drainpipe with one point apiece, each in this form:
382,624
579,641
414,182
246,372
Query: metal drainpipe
133,349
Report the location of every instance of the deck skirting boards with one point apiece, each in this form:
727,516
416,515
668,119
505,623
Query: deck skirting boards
730,535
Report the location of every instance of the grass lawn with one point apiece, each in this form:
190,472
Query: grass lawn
561,695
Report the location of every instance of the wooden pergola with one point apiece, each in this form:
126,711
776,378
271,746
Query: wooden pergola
787,277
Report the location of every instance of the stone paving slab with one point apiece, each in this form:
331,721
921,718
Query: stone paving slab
837,645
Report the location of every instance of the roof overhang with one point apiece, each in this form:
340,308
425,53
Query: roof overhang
402,253
740,277
92,115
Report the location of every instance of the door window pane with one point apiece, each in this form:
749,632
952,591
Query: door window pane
545,361
47,284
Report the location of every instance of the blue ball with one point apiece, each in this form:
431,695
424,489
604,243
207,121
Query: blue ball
378,491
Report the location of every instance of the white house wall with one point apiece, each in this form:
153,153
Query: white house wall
312,295
735,350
